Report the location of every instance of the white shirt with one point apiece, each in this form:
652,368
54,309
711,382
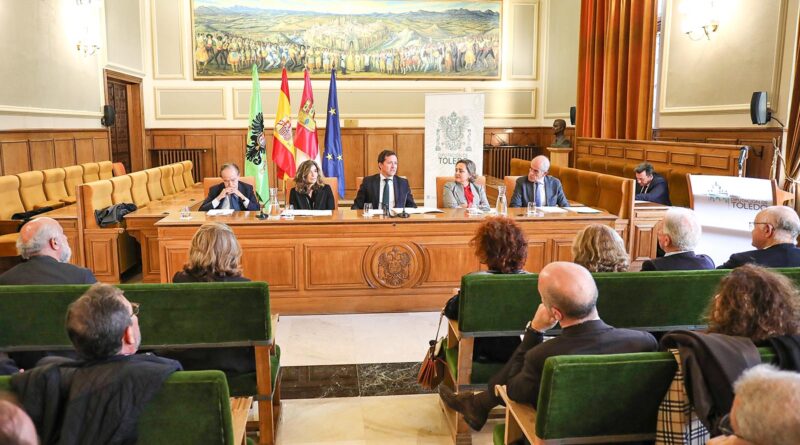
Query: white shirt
391,191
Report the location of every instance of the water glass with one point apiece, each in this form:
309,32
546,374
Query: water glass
185,213
367,210
473,210
531,208
289,213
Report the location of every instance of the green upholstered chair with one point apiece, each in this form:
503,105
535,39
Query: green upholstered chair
192,408
191,315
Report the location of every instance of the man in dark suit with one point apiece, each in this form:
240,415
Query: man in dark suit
774,235
538,188
650,186
385,188
43,244
569,295
230,194
678,234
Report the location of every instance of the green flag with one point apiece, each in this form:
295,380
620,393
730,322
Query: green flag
255,163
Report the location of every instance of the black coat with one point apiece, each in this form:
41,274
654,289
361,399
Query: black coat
371,189
246,189
322,199
657,191
680,261
779,255
43,269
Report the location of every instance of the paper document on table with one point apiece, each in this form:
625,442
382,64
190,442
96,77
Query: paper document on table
375,212
220,212
583,210
551,209
418,210
639,201
302,212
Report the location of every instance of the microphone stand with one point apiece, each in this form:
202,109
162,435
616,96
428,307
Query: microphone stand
404,214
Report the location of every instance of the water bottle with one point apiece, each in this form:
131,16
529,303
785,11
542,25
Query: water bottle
502,203
275,208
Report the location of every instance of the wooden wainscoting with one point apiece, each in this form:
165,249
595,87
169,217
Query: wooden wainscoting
25,150
758,138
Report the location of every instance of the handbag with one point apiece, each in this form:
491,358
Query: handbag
677,422
433,367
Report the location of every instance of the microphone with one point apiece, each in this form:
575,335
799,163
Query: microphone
742,157
404,214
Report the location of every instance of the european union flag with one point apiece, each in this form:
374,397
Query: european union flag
332,161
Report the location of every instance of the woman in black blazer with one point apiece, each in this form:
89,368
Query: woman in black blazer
310,191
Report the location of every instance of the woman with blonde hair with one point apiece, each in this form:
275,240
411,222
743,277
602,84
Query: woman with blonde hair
215,255
310,191
599,248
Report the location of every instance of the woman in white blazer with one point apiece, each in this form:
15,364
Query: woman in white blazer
464,192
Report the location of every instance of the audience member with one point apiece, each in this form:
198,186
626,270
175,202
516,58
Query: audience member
464,192
774,235
500,244
569,295
385,189
678,234
756,303
650,186
310,191
560,141
16,427
231,193
97,399
764,410
43,244
538,188
599,248
214,255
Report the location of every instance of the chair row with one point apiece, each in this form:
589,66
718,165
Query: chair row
175,320
500,305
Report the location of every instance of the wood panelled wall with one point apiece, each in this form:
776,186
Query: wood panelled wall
26,150
759,139
360,148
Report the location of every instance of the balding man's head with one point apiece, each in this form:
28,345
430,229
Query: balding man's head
43,236
570,289
15,425
540,165
774,225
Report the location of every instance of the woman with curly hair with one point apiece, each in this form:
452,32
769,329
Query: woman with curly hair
500,244
756,303
214,255
599,248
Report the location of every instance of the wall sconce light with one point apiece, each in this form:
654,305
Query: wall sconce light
699,18
86,29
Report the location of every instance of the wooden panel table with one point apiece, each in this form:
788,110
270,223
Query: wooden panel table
349,264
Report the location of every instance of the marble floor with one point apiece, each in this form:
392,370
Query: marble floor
351,379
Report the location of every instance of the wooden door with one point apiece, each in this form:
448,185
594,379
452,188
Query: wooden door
120,136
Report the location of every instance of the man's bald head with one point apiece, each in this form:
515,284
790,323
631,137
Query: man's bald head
15,425
43,236
783,219
569,288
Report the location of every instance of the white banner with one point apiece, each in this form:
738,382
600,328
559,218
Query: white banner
725,206
453,131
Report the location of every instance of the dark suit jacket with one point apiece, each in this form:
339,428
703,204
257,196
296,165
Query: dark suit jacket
246,189
46,270
657,191
553,193
680,261
321,200
371,189
779,255
523,373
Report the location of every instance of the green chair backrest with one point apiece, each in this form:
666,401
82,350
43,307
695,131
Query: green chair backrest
192,314
616,396
193,407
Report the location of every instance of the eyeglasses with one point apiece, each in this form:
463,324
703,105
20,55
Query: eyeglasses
135,309
726,428
537,171
753,224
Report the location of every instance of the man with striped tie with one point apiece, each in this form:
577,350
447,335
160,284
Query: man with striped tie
538,188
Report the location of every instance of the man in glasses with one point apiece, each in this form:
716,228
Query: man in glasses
538,188
104,391
774,233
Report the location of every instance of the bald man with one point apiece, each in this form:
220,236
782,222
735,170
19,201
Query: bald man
538,188
43,244
774,235
568,296
16,428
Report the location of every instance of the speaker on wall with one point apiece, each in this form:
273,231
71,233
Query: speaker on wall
108,116
759,113
572,111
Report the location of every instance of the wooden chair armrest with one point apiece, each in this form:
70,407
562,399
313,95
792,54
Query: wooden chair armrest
453,334
9,226
240,408
520,418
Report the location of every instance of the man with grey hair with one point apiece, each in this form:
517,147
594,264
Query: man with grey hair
764,410
230,193
678,234
569,295
774,235
538,188
43,244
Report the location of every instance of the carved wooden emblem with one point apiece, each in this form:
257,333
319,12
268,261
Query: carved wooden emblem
395,265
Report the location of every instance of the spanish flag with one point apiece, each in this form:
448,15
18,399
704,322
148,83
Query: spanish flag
282,146
305,138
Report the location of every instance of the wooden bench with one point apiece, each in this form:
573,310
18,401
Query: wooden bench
184,316
594,399
192,408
